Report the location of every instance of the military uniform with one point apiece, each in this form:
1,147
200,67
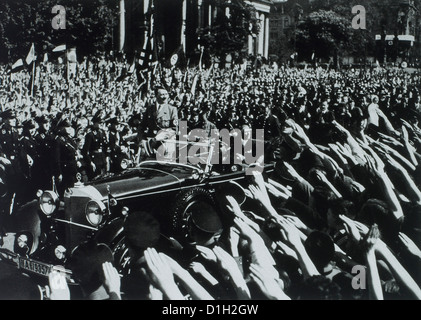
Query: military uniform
29,146
11,148
156,118
115,153
43,168
94,151
65,160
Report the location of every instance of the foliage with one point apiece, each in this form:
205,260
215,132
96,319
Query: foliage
23,22
229,34
323,32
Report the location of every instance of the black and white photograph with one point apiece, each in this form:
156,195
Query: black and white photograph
237,151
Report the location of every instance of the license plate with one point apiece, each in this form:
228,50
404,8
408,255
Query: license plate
34,266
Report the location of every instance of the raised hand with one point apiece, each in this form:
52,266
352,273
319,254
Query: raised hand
230,267
225,260
234,207
371,238
410,245
207,253
197,267
292,171
296,222
59,290
284,249
112,280
351,228
161,274
290,233
270,286
155,294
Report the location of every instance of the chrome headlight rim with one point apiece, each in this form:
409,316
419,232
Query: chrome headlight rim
100,212
53,202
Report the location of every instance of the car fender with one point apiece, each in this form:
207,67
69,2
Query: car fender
27,218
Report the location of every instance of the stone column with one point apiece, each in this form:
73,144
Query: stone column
210,15
261,34
200,17
145,11
266,51
183,25
122,25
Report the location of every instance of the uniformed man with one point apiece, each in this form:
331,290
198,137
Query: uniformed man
95,148
11,149
43,170
158,116
65,164
29,145
159,123
115,145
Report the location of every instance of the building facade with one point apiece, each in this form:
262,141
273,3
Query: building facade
176,23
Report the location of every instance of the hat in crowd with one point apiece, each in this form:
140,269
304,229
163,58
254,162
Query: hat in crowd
112,121
134,121
28,124
86,264
358,114
7,114
205,219
321,249
42,119
97,118
142,230
63,123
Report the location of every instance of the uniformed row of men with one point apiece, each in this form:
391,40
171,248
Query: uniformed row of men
44,153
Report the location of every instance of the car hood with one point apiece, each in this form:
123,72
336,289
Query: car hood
146,179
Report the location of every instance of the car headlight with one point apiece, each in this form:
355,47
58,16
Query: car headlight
48,202
124,164
94,212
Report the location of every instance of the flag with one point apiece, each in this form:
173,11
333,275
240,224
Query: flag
148,53
127,71
312,56
177,58
60,48
17,65
45,58
31,55
202,49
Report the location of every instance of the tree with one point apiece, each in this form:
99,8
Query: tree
228,34
89,26
325,33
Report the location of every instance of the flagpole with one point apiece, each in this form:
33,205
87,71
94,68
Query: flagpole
202,48
33,76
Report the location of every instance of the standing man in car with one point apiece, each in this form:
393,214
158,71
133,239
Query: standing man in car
159,117
95,149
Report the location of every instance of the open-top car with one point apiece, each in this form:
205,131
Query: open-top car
43,233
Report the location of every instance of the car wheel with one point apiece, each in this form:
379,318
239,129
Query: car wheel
183,202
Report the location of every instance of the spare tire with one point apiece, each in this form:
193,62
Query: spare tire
183,202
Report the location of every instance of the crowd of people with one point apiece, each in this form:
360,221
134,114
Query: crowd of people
344,195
